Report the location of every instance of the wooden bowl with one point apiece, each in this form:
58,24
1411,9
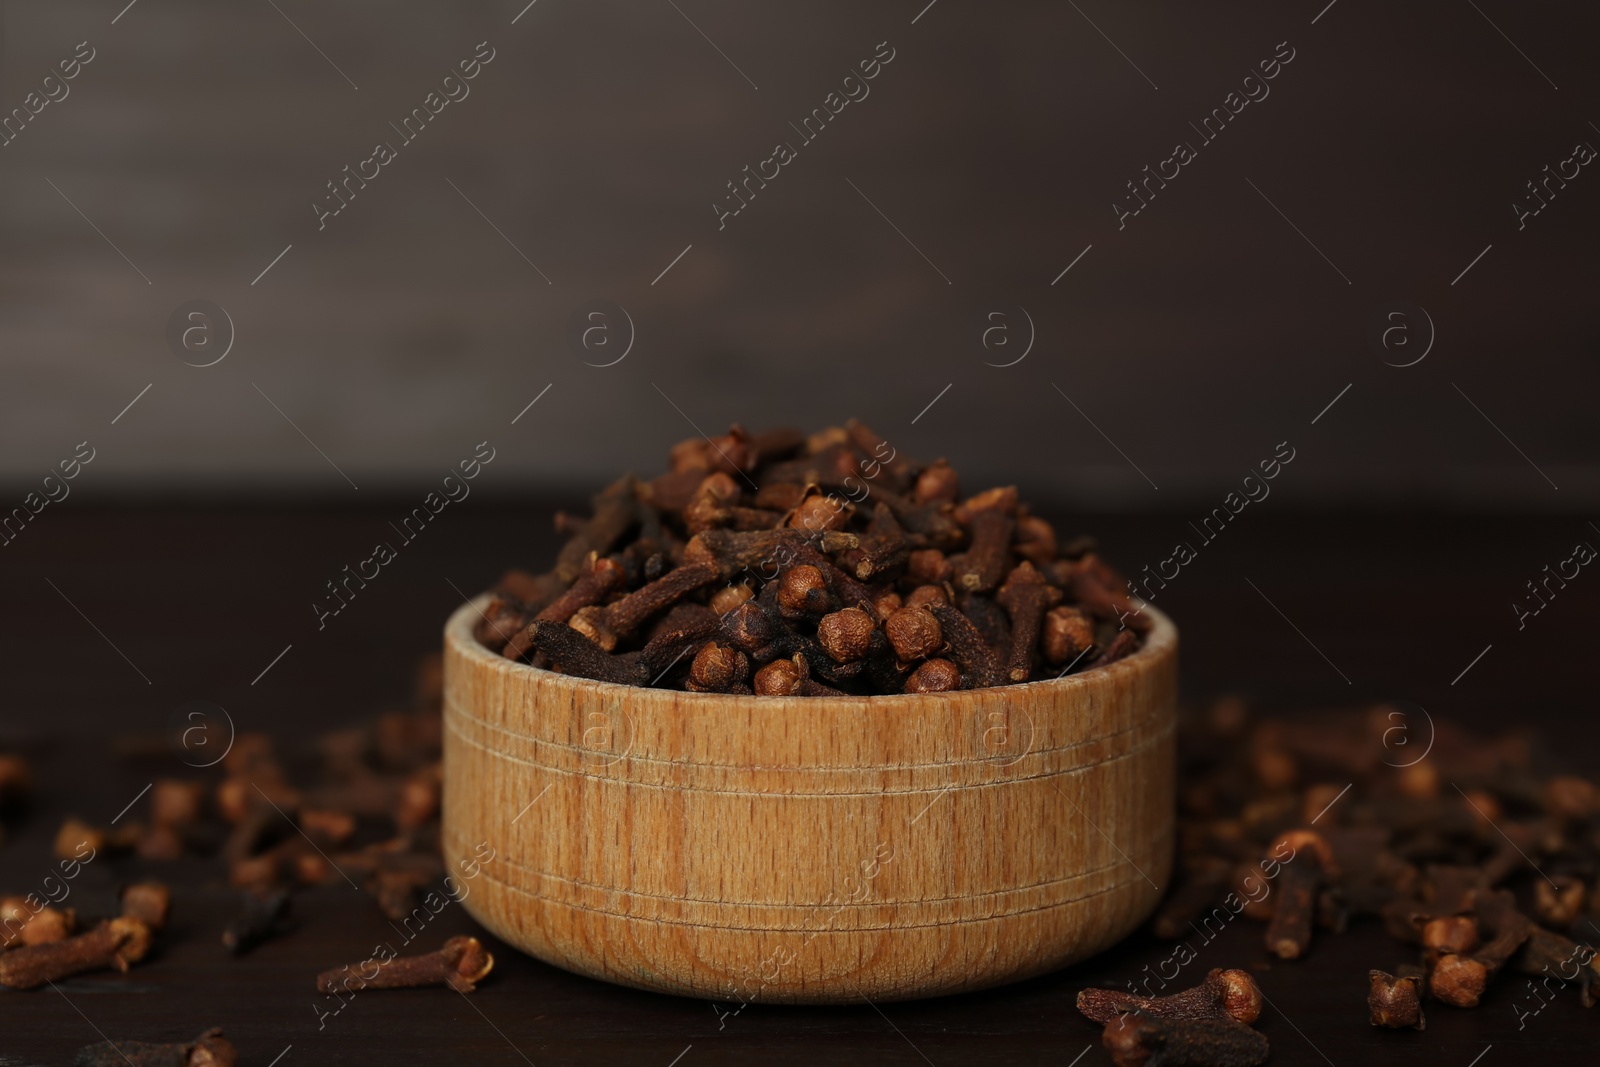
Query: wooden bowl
809,850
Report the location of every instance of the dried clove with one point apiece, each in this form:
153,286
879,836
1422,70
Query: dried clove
1508,927
884,545
149,902
1459,978
1068,634
419,799
574,654
1230,994
1571,799
717,668
846,635
622,617
1144,1041
753,631
1026,596
819,511
115,943
926,595
1395,1002
914,633
934,676
263,918
599,579
989,619
937,484
330,826
932,521
989,516
44,926
1201,886
780,678
500,621
75,837
979,666
460,964
1559,900
1034,539
210,1049
1121,646
615,509
1289,932
681,631
176,803
16,781
1550,955
803,593
927,566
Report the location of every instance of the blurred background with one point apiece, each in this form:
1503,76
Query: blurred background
1118,254
588,161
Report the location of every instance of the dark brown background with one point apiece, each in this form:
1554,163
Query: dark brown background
997,141
1196,339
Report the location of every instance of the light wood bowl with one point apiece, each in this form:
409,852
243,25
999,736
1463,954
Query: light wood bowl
809,850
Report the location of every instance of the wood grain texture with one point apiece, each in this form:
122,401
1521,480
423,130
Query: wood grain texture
810,850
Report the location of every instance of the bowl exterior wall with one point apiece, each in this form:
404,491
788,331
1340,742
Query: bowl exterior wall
808,850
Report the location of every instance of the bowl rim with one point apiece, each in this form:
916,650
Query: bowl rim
1160,643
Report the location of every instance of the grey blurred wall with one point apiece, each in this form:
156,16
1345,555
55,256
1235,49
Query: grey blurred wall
1374,174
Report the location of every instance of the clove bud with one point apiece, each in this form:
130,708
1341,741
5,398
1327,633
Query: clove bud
460,964
934,676
1395,1002
115,943
263,918
210,1049
149,902
1145,1041
1231,994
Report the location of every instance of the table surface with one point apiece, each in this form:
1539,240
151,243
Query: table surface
129,613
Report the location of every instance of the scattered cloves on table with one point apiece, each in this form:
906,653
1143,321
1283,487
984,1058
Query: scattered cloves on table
273,839
1477,856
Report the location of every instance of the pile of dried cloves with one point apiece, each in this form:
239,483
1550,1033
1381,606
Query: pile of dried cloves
780,565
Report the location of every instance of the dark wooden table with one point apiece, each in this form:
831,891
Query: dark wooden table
174,605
